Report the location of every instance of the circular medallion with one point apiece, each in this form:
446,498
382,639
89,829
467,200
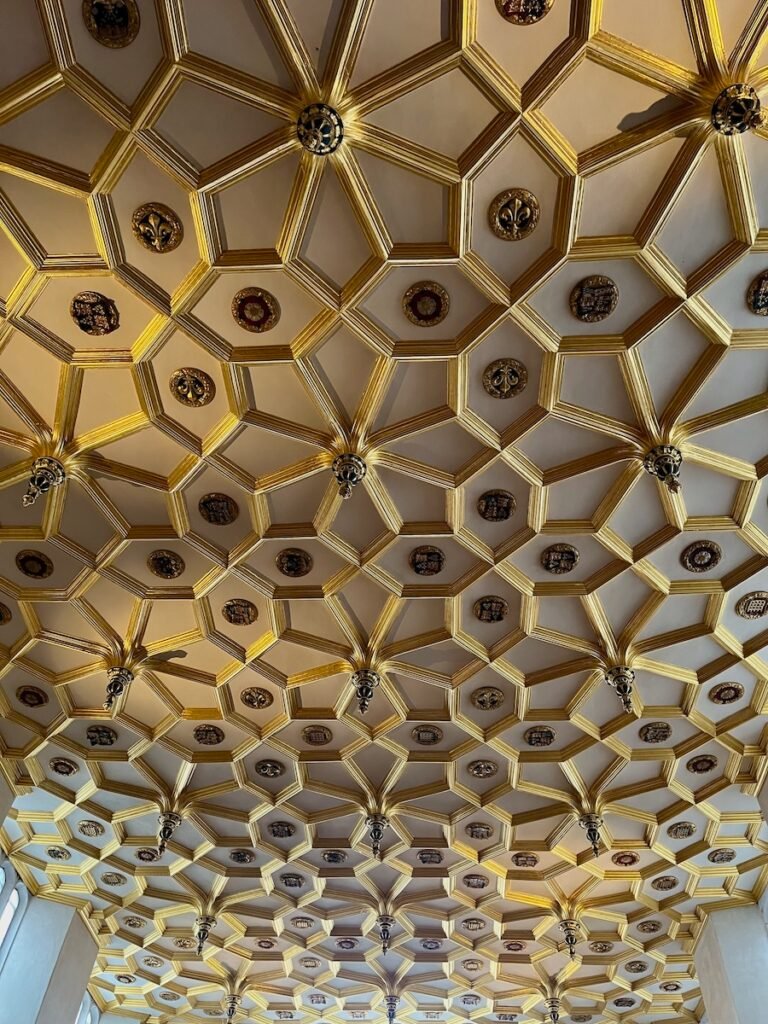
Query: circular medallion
346,943
136,922
91,829
655,732
723,856
513,214
490,608
186,943
241,856
256,697
523,12
626,859
726,693
320,130
5,614
125,979
478,830
239,612
594,299
514,946
753,605
157,227
208,735
539,736
670,986
147,855
681,830
476,881
256,310
736,110
430,857
63,766
665,883
559,558
282,829
101,736
431,945
94,313
265,944
702,764
636,967
34,564
505,378
294,562
427,735
58,853
270,769
113,23
496,506
334,856
426,304
192,387
525,860
316,735
152,962
170,997
701,556
757,295
649,927
482,769
31,696
426,560
166,564
581,1018
218,509
487,698
601,947
623,1001
113,879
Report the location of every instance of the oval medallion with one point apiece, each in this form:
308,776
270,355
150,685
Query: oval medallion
539,736
31,696
151,962
649,927
218,509
113,879
624,1001
655,732
256,310
5,614
91,829
431,945
514,946
310,963
239,612
626,859
487,698
241,856
426,560
702,764
681,830
426,304
58,853
601,947
478,830
757,295
63,766
316,735
482,769
430,857
256,697
427,735
319,129
157,227
294,562
208,735
496,506
490,609
269,769
125,979
471,964
665,883
282,829
186,943
113,23
670,986
723,856
473,924
166,564
523,12
525,860
293,881
505,378
34,564
594,299
636,966
94,313
346,943
147,855
701,556
101,736
753,606
513,214
139,922
192,387
559,558
476,881
334,856
726,693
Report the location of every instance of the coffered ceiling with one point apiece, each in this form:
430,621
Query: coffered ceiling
485,741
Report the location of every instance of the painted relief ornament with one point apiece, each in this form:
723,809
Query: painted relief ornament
505,378
34,564
319,129
157,227
218,509
701,556
294,562
426,304
664,462
655,732
753,605
513,214
523,12
94,313
491,608
560,558
240,612
487,698
168,565
426,560
113,23
192,387
256,310
496,506
757,295
47,472
594,299
736,110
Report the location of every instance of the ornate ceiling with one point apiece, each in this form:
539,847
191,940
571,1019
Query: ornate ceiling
385,301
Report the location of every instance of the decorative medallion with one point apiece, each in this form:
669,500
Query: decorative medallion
478,830
270,769
282,829
427,735
525,860
496,506
649,927
101,736
471,1000
218,509
757,295
94,313
726,693
5,614
626,859
655,732
670,986
505,378
316,735
702,764
581,1018
431,945
701,556
637,966
665,883
476,881
157,227
257,698
539,736
31,696
737,110
113,23
63,766
113,879
320,130
482,769
487,698
471,964
523,12
166,564
256,310
430,857
91,829
514,946
303,924
208,735
241,856
426,560
681,830
624,1001
239,612
139,922
426,304
125,979
170,997
265,944
34,564
723,856
294,562
491,608
317,1000
601,947
58,853
310,963
511,1017
192,387
346,944
473,924
751,606
513,214
559,558
147,855
185,943
594,299
334,856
